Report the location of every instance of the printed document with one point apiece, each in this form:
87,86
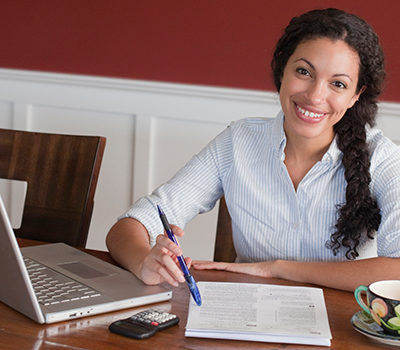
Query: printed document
260,312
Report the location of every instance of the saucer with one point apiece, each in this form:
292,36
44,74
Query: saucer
364,324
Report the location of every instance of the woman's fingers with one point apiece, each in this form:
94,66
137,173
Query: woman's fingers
177,230
162,264
257,269
172,268
209,265
167,277
162,261
188,262
165,242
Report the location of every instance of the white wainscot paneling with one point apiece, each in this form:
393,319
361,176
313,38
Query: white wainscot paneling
152,130
388,120
6,115
173,143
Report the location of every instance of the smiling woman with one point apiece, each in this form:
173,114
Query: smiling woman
344,63
318,85
306,191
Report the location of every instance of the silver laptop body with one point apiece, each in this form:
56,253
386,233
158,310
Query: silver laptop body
108,287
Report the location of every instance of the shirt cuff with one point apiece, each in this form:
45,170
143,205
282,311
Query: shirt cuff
145,211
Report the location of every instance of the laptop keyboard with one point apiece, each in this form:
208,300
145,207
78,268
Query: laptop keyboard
52,287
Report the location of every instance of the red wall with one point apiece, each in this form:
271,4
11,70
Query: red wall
207,42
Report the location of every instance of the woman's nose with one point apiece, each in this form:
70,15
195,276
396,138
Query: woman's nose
317,92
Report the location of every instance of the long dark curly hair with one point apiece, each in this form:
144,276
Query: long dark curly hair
360,216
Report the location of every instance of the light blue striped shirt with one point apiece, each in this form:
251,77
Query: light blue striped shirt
270,220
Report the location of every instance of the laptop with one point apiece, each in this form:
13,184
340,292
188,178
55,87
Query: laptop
55,282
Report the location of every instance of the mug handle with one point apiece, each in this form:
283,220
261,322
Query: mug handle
357,295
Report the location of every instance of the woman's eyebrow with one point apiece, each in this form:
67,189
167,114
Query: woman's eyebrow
307,61
343,75
312,66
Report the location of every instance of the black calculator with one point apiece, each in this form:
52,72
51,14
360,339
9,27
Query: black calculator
144,324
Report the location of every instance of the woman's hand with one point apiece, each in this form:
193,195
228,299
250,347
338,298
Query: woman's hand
161,263
128,244
263,269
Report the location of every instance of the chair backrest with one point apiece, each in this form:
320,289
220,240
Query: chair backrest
61,172
224,249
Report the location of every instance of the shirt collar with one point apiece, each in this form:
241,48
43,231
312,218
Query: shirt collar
333,154
278,136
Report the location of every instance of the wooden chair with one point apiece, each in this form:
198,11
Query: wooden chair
61,172
224,249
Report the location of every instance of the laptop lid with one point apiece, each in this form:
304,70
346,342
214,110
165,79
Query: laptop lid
119,288
15,288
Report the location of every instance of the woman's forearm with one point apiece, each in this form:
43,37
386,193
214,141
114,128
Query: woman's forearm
345,275
128,244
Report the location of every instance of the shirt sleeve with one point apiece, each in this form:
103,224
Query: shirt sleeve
386,188
193,190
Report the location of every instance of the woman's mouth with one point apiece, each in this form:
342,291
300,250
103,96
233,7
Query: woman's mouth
309,116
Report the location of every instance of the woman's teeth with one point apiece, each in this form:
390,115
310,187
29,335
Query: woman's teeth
309,114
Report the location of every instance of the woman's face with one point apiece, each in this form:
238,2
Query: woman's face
318,85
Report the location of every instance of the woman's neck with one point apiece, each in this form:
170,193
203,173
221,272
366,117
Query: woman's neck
305,151
304,148
301,154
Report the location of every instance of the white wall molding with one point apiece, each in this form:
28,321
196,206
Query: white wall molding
152,129
131,85
389,120
143,86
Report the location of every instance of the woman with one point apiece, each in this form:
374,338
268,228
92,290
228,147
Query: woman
313,194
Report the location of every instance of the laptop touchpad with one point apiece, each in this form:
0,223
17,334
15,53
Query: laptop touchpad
82,270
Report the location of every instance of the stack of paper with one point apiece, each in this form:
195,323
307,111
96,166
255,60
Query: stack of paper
260,312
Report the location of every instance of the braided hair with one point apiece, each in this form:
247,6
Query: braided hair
359,216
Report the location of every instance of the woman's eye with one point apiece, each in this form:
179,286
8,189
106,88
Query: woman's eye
302,71
339,85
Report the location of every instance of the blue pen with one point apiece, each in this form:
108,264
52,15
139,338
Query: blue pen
189,278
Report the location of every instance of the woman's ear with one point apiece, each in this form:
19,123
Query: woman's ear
357,96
